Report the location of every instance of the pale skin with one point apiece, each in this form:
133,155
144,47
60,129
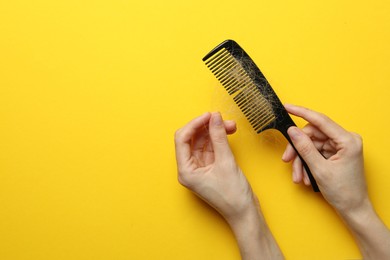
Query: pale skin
206,166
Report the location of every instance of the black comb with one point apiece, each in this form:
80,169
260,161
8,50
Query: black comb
251,91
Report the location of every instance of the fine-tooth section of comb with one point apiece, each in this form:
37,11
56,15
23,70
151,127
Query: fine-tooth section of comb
255,107
251,91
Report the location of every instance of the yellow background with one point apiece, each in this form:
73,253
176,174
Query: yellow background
91,93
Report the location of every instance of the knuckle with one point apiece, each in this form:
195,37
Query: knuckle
307,129
358,137
354,143
358,141
218,137
322,119
305,149
178,134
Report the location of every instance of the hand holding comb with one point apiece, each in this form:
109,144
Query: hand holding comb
251,91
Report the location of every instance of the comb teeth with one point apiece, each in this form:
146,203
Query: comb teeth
255,107
230,71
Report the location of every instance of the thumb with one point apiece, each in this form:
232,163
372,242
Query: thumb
305,147
218,136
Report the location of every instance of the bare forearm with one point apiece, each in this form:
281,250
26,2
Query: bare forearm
370,233
254,238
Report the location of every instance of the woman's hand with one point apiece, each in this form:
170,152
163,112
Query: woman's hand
334,155
339,173
207,166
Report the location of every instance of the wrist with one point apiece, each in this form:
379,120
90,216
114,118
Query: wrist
250,221
358,215
249,217
361,220
371,234
253,236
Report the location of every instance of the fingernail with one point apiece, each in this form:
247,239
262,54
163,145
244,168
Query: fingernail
294,133
294,177
284,155
217,119
307,181
229,121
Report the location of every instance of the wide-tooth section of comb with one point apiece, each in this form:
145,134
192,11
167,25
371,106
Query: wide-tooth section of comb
230,71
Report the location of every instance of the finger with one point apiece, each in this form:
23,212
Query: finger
311,131
323,144
218,137
328,147
201,143
305,148
314,132
183,137
289,154
300,173
322,122
297,170
306,179
230,126
200,140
